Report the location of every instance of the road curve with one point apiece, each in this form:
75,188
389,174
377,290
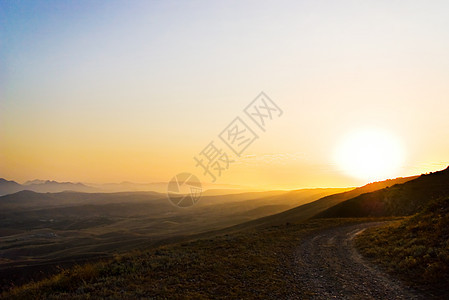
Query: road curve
329,267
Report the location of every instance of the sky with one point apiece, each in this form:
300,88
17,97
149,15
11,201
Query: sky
111,91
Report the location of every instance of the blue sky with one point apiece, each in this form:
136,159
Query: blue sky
131,90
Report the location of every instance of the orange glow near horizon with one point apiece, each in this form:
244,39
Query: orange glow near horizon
108,92
370,154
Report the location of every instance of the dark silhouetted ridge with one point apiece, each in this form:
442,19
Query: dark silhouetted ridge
398,200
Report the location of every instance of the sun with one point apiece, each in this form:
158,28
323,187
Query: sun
370,154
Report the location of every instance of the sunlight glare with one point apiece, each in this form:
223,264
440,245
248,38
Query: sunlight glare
370,154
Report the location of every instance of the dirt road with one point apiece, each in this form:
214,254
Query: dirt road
330,268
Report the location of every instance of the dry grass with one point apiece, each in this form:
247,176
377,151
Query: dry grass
415,249
251,264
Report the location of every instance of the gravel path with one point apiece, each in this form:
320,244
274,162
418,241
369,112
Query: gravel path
329,267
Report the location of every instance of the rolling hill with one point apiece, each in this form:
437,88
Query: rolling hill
43,230
306,211
252,251
399,200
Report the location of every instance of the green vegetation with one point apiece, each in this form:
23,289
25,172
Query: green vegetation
415,249
249,264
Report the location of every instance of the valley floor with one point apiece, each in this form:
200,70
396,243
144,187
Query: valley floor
261,263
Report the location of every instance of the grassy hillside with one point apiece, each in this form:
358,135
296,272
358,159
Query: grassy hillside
249,264
399,200
306,211
416,249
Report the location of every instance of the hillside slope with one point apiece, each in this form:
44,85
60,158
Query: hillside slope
306,211
40,231
398,200
252,264
416,249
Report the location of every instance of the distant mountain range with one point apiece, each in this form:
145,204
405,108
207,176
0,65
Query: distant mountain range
42,186
51,186
9,187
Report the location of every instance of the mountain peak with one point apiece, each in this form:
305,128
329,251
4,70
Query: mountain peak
35,181
5,181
